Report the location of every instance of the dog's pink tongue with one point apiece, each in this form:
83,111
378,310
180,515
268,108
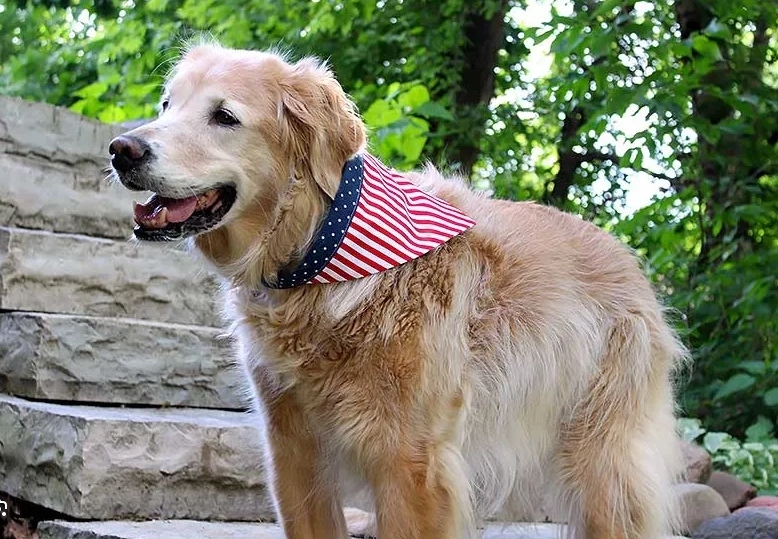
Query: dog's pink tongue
151,215
179,210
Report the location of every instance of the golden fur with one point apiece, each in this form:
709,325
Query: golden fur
525,363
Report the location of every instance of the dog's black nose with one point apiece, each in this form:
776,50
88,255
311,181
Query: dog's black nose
128,152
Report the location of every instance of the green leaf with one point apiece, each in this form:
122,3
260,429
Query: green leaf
737,383
757,368
771,397
414,97
760,431
607,7
381,113
431,109
706,47
92,91
690,429
717,30
713,441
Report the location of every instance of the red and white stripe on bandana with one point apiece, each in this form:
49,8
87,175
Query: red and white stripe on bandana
378,220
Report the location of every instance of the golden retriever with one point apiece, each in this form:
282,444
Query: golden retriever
525,361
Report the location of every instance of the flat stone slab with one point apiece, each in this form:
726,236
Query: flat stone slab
116,361
181,529
71,274
53,165
120,463
167,529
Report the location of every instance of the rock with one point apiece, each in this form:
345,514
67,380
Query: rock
527,530
53,178
734,491
699,503
63,273
746,523
768,502
698,462
117,361
167,529
121,463
180,529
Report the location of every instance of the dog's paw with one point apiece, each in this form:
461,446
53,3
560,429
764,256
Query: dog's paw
360,523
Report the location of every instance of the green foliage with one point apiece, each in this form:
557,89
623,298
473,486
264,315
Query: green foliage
755,460
678,99
398,122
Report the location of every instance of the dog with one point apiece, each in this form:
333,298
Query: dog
514,357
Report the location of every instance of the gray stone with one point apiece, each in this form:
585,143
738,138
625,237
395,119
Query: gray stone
64,273
118,361
699,503
158,529
524,530
119,463
54,132
39,194
746,523
699,464
53,165
180,529
529,530
734,490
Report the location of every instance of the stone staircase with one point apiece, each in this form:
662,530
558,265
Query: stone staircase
120,409
118,398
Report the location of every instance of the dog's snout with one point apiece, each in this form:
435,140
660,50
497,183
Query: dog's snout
127,152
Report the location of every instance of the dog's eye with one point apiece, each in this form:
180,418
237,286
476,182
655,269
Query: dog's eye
165,104
224,117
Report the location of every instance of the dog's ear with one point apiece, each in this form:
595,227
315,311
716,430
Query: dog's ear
320,124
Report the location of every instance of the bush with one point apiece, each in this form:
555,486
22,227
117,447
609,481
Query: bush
754,460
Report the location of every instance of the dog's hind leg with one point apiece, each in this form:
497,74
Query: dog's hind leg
619,453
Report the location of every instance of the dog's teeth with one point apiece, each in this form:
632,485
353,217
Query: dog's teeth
159,219
206,199
162,217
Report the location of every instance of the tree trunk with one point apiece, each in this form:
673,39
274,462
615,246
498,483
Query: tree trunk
484,34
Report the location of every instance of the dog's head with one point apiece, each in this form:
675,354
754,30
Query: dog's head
242,139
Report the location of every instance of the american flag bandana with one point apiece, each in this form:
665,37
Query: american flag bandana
377,221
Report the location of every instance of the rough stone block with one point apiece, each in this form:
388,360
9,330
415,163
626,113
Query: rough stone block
745,523
699,503
38,194
53,165
209,530
64,273
118,361
167,529
119,463
697,461
734,490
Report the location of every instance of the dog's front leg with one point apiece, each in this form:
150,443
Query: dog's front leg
420,498
303,489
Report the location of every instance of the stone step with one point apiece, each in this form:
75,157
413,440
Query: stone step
117,361
72,274
53,165
180,529
139,464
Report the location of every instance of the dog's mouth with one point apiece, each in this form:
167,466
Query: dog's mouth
170,219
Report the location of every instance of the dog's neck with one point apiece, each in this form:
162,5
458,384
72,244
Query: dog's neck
378,220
